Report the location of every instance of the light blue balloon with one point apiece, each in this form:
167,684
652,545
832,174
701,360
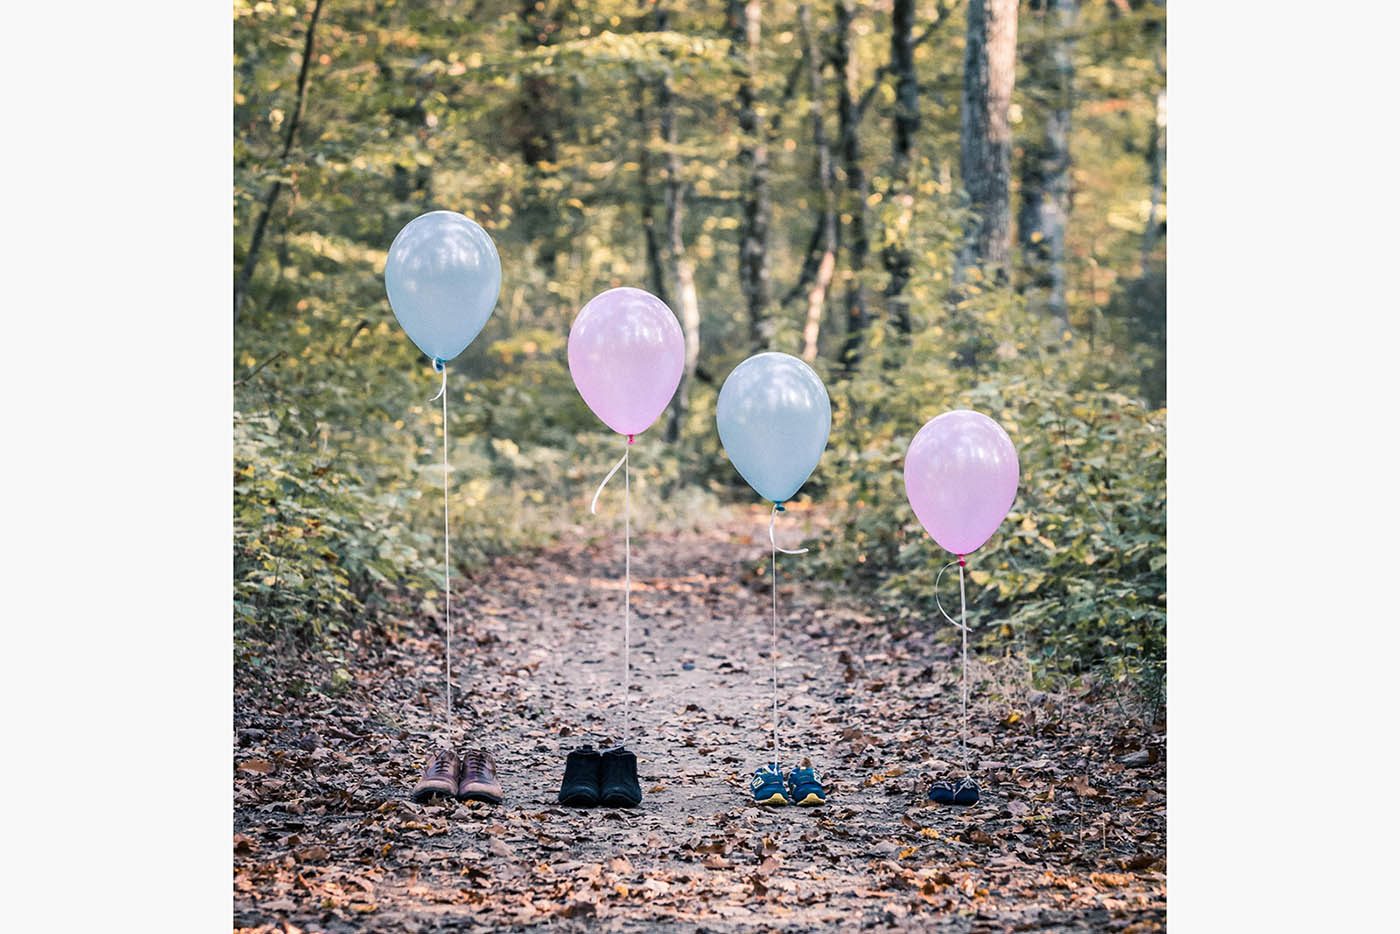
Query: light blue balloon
774,418
443,276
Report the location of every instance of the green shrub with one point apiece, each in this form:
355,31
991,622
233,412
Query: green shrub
312,543
1075,579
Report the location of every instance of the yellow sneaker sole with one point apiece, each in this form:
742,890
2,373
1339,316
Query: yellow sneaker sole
812,800
775,800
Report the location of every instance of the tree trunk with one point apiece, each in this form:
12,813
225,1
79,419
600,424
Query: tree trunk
1045,166
537,120
1156,161
686,297
825,243
988,79
250,261
656,273
857,187
744,23
689,304
896,255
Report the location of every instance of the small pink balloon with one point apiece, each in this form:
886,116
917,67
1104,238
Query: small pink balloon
626,354
960,475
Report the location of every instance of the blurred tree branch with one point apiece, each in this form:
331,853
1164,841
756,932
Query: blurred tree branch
250,261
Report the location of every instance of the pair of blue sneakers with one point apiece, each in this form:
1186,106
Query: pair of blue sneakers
801,786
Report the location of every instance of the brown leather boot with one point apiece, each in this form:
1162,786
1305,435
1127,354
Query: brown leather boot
440,777
478,777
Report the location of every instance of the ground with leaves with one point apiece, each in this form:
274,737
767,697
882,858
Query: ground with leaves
1070,833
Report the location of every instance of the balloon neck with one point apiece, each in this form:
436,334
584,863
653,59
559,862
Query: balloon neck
631,438
962,561
780,507
439,364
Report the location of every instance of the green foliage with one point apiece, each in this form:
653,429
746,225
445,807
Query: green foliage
412,107
311,540
1076,576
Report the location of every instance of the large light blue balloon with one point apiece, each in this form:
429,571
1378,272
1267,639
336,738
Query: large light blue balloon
774,418
443,276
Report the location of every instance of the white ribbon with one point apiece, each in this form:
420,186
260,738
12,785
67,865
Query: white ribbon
773,517
616,467
939,603
446,544
443,391
627,593
962,593
773,651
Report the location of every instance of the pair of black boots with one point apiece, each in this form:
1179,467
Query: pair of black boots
607,778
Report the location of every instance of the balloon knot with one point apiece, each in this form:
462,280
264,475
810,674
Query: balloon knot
631,438
438,364
780,507
962,562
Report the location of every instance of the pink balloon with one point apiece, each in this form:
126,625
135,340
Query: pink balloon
626,354
960,475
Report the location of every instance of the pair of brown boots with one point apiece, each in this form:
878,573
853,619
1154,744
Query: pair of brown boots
470,777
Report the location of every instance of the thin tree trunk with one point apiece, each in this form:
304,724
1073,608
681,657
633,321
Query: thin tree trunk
689,304
744,23
1156,161
537,120
686,297
896,255
1045,166
988,79
825,242
656,273
857,187
250,261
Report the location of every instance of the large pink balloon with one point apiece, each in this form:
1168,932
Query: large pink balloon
961,474
626,354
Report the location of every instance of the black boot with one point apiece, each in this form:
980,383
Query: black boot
582,771
618,779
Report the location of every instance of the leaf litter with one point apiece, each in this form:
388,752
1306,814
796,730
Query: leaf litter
1070,833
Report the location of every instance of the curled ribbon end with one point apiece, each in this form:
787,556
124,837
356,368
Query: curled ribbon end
616,467
772,518
441,367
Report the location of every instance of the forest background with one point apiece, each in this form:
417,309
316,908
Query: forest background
938,205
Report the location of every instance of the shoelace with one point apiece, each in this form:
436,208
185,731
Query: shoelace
442,765
478,762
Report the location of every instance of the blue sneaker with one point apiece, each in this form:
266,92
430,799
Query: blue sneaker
962,792
767,786
942,792
805,787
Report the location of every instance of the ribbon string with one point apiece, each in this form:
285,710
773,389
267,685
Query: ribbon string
627,596
446,541
962,626
773,651
772,518
939,603
616,467
442,368
962,594
623,464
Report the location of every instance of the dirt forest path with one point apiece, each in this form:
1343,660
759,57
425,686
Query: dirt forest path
1070,834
